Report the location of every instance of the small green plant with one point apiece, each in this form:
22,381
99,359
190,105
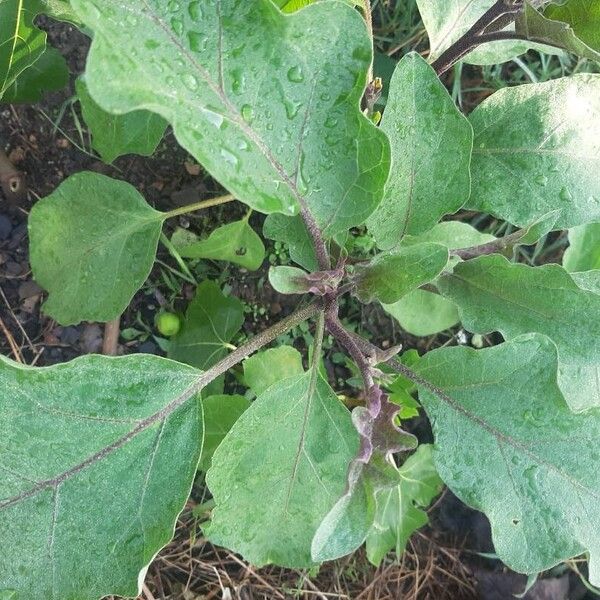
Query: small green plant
275,101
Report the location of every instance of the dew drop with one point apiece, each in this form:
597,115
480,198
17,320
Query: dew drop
330,122
214,118
190,82
173,6
195,11
197,41
247,113
292,108
295,75
177,25
541,180
229,157
565,195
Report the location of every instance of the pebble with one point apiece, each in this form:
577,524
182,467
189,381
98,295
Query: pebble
5,227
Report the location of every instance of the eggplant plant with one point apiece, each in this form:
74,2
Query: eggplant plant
276,100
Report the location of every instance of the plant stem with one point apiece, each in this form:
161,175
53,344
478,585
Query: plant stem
496,246
198,206
499,15
369,20
111,337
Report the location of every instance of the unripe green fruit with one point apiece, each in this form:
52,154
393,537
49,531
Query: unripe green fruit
167,323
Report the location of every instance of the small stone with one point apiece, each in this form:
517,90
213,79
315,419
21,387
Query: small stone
62,143
29,289
192,168
5,227
148,348
13,268
70,335
91,339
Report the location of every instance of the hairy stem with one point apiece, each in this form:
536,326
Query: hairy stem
369,20
496,246
198,206
500,14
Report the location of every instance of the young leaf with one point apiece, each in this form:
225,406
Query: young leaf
537,149
507,444
21,42
494,295
220,414
92,246
448,20
390,276
583,16
583,253
271,112
289,6
452,234
346,526
49,73
113,135
98,459
533,25
270,366
431,152
211,320
289,280
292,231
235,242
399,509
423,313
279,471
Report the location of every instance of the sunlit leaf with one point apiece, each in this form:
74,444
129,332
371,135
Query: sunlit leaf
583,253
583,16
270,366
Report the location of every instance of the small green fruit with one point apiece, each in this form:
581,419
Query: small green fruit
167,323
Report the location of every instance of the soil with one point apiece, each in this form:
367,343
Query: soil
46,143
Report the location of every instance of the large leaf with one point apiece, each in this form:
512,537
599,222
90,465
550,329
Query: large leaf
390,276
537,149
584,18
507,444
270,366
21,43
423,313
92,246
267,102
48,73
235,242
289,6
280,470
399,509
97,458
448,20
137,132
211,320
534,25
583,253
495,295
292,231
431,152
220,414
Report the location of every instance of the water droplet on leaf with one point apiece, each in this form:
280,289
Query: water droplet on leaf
295,75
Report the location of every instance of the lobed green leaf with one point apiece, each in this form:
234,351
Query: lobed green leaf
494,295
268,103
292,447
92,245
507,444
431,152
537,150
98,457
113,135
